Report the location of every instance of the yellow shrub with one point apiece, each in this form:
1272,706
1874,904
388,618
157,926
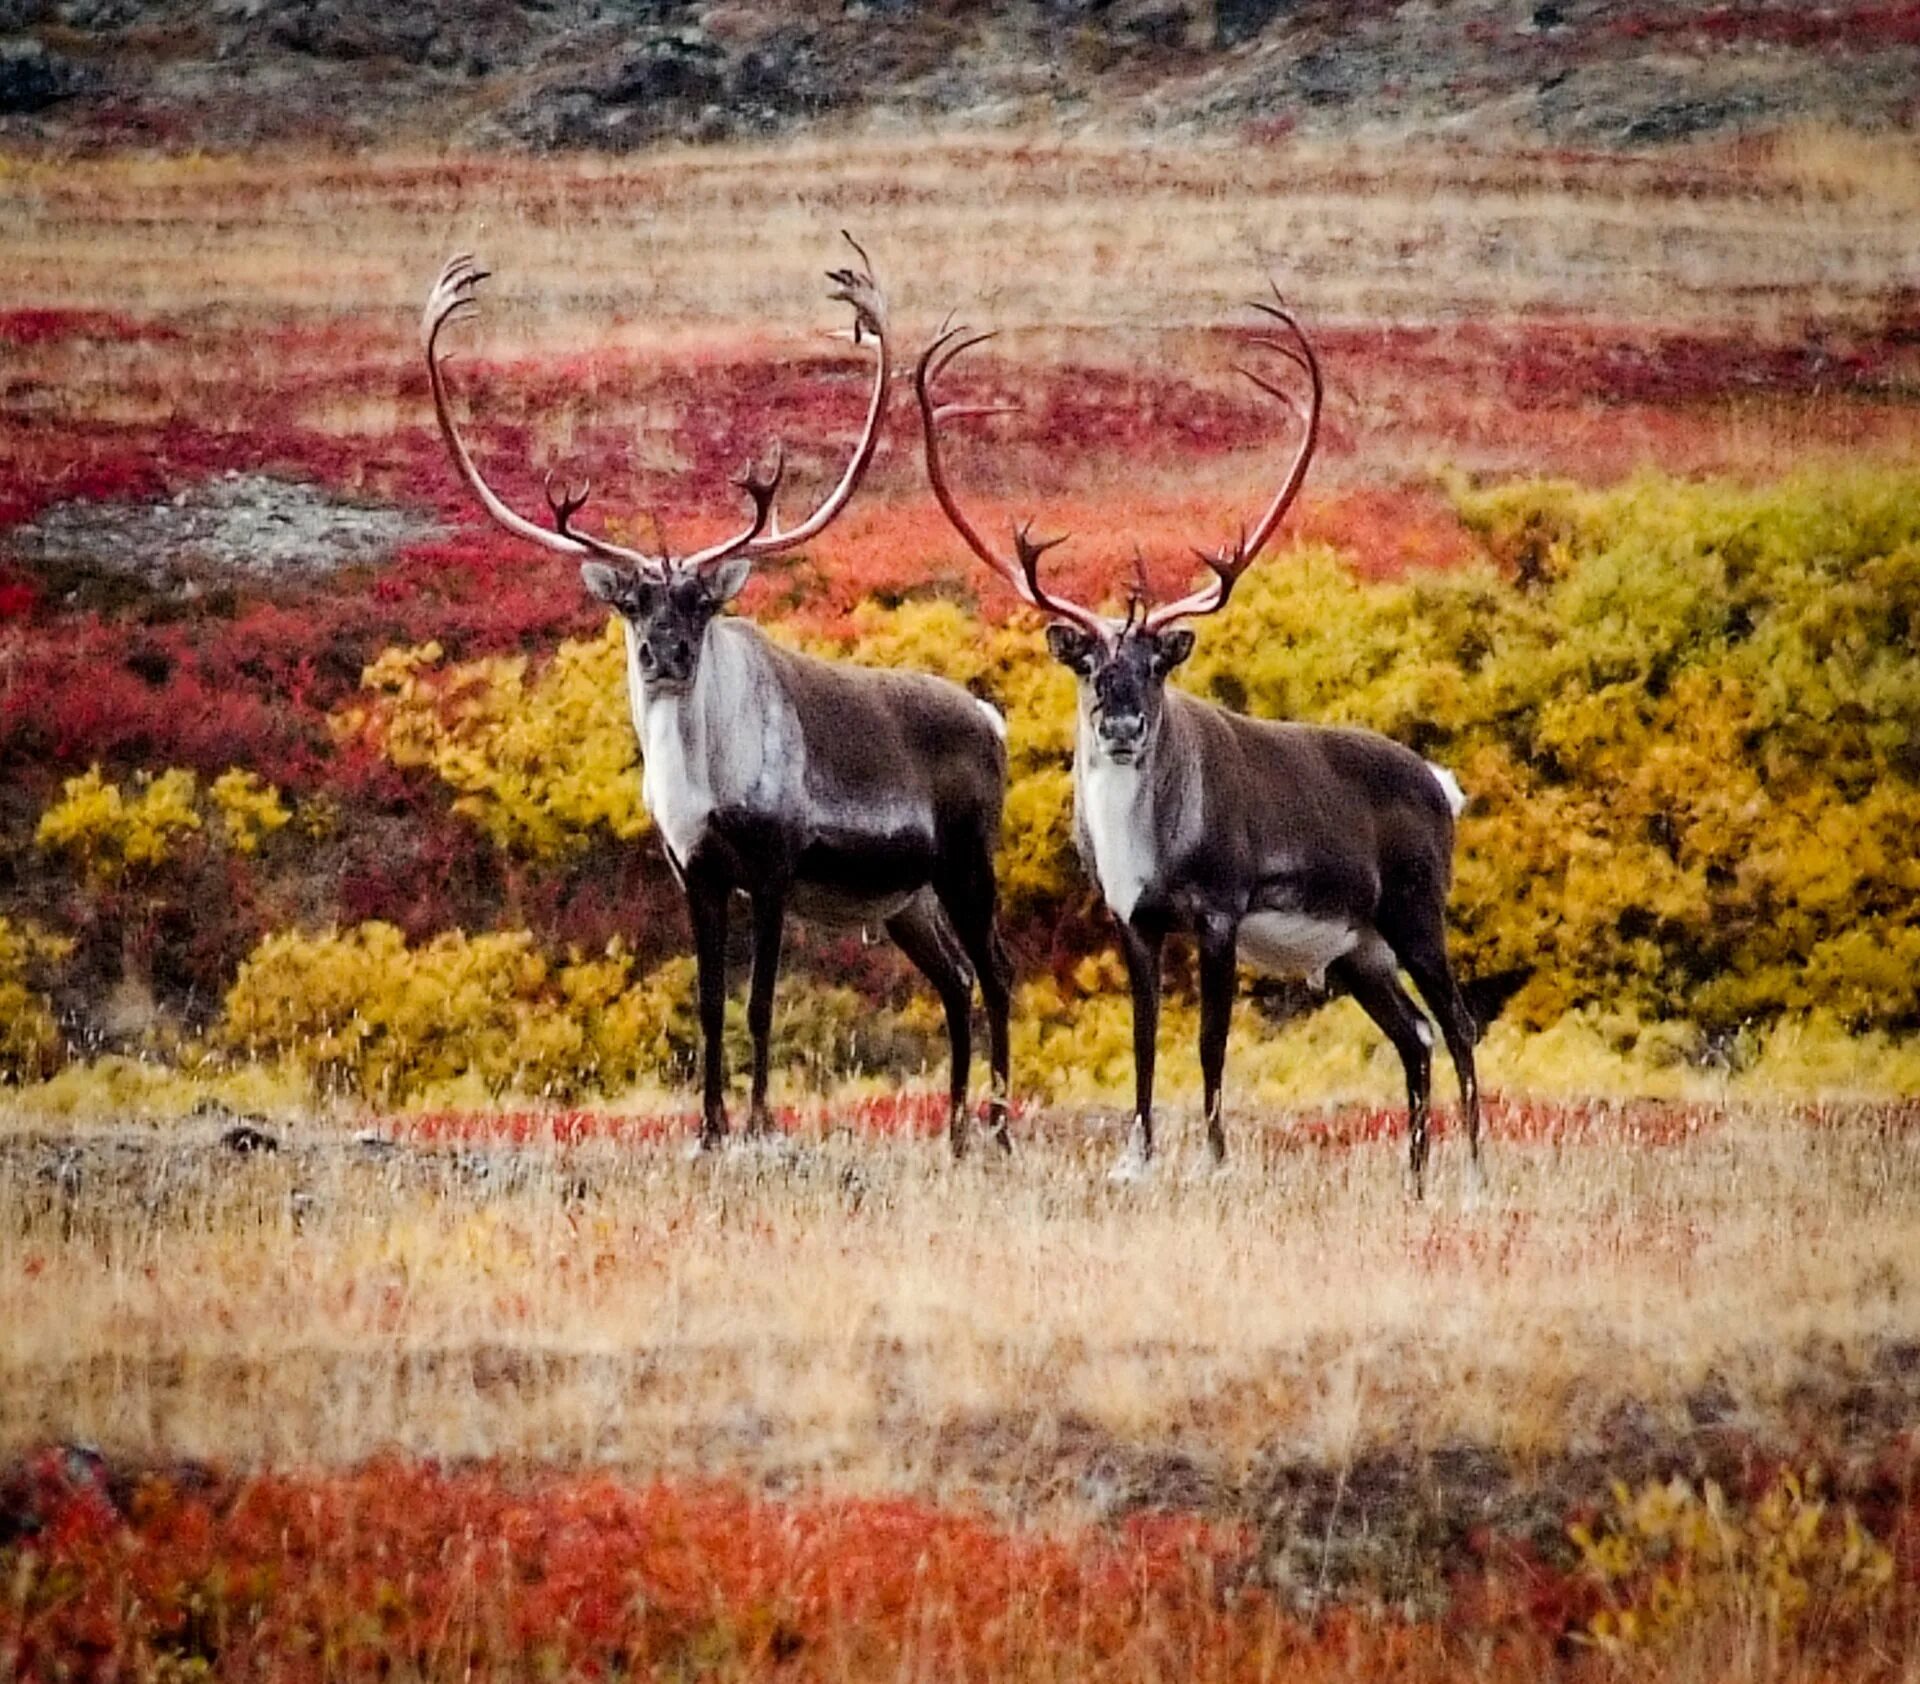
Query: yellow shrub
249,807
30,1041
1687,719
537,762
365,1015
116,1089
111,832
1671,1560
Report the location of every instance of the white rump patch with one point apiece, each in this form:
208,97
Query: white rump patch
995,718
1290,944
1449,787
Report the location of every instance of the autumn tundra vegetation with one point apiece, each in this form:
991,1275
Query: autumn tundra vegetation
359,1313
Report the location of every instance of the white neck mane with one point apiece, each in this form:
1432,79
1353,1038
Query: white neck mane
1124,813
732,741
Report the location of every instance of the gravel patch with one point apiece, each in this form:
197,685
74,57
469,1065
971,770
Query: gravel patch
248,524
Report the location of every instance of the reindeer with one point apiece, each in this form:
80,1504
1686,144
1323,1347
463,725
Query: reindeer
846,794
1309,851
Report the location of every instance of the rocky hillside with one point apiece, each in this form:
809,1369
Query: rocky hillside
620,74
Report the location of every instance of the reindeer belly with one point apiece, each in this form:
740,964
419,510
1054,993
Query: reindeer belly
845,906
1293,944
862,874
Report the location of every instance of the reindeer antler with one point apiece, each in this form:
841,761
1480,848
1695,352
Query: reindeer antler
762,488
860,289
1022,570
566,503
453,299
1235,556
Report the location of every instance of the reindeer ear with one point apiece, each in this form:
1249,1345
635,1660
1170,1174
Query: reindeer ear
1071,647
1173,648
602,582
729,579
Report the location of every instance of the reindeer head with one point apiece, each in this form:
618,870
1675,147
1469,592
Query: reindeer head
667,619
667,602
1122,665
1123,682
668,607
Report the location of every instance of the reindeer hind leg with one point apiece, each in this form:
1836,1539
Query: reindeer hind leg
1371,977
922,932
969,896
1422,948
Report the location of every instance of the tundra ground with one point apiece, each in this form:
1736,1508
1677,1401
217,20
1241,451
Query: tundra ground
1364,1402
499,1398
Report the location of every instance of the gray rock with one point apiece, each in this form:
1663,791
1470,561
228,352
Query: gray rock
1235,21
339,29
244,523
685,69
97,15
32,79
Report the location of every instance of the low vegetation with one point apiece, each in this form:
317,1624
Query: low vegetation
551,1403
362,1318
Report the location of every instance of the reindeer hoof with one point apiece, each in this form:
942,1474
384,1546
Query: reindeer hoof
1131,1166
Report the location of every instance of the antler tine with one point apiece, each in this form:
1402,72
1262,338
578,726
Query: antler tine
451,298
1272,391
1030,549
951,344
1232,560
862,292
567,504
762,488
1022,571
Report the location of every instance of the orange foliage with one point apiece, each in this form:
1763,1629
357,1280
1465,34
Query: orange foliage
401,1569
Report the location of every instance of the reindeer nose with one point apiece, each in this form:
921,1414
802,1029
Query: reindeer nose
673,660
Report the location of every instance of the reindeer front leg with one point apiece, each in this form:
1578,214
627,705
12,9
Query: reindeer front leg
1142,951
707,892
1218,980
769,919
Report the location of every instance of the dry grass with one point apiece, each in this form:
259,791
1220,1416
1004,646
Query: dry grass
1043,232
1502,312
865,1314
